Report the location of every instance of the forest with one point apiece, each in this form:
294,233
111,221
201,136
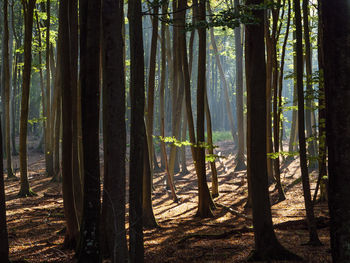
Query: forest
174,131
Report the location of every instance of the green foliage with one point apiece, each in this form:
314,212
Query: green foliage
36,120
219,136
282,153
177,143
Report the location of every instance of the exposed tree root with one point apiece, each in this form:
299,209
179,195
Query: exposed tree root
216,235
26,193
234,212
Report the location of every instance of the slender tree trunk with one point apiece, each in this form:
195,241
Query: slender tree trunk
184,170
322,145
4,244
28,9
294,126
77,177
278,110
148,216
72,225
7,82
269,71
204,197
137,135
239,97
223,79
149,221
267,246
314,240
151,85
13,106
276,98
336,31
309,89
214,176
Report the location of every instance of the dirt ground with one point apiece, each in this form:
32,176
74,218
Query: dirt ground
35,224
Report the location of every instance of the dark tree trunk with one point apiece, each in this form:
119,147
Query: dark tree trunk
204,196
67,182
336,31
267,246
28,9
6,99
137,135
322,147
314,240
4,244
90,15
73,38
113,208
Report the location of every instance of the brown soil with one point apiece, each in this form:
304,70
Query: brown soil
35,224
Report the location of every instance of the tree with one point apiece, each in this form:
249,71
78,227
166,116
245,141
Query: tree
239,97
72,223
148,216
113,207
6,72
314,240
48,122
89,248
28,10
137,135
4,245
267,246
336,30
204,197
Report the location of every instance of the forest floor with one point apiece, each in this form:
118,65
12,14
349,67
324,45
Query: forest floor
35,224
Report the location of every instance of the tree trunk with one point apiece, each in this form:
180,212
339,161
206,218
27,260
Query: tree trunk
77,176
7,77
240,159
90,15
151,85
113,207
204,197
336,30
309,89
322,145
28,9
314,240
137,135
267,246
4,244
67,180
224,82
149,221
214,176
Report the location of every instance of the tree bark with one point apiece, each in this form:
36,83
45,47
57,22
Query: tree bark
137,135
67,180
114,192
336,30
4,244
28,9
7,78
267,246
314,240
90,15
204,197
309,112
